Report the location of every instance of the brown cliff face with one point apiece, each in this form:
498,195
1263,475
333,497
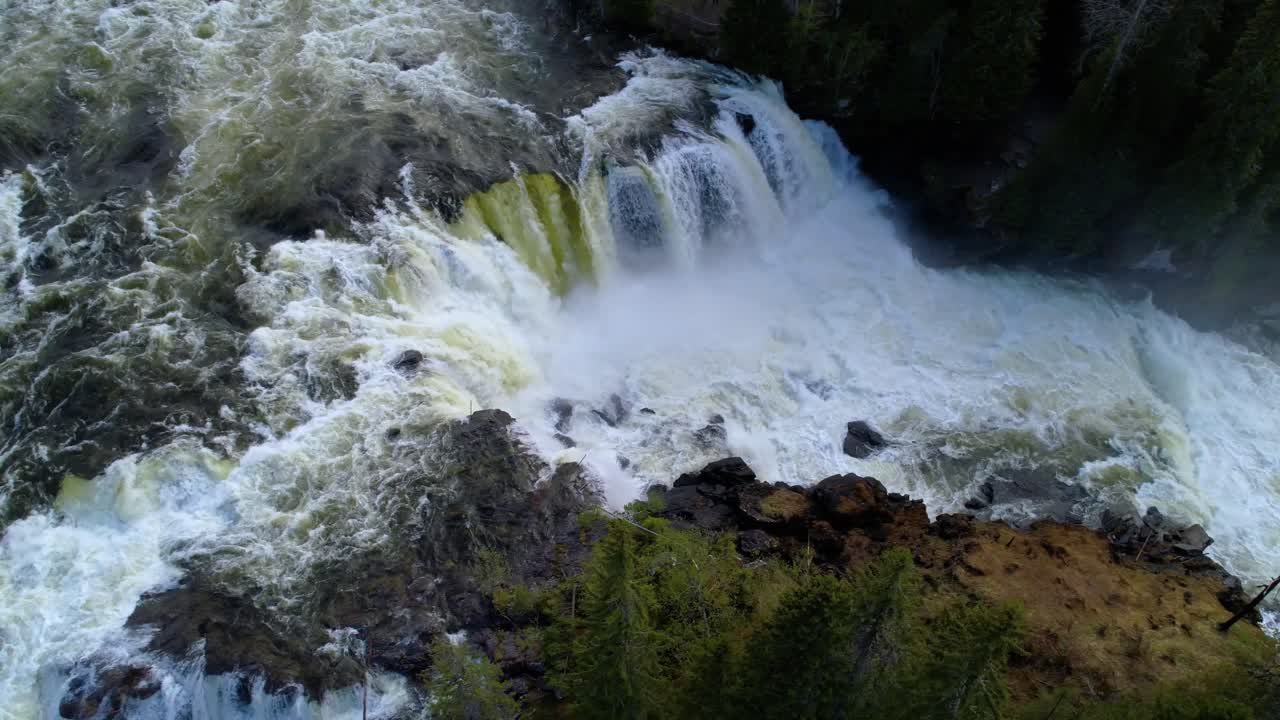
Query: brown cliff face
1125,609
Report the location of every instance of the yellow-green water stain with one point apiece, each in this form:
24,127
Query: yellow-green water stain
540,217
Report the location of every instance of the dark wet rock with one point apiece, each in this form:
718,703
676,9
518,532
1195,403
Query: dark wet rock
614,413
563,411
407,362
853,501
1040,488
730,472
841,516
1235,599
1192,540
624,462
820,388
519,656
951,527
746,122
984,498
102,692
647,411
565,440
1156,540
712,437
699,509
332,381
394,433
765,505
238,636
861,440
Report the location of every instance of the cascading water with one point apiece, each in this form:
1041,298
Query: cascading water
712,254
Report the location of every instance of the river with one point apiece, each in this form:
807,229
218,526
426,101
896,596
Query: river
243,243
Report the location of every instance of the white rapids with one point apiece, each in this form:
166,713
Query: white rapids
757,277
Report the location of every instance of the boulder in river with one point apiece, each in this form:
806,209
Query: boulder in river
407,362
861,440
1040,487
563,411
614,413
713,435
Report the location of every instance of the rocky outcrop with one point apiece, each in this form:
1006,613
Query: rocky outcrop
489,494
103,692
841,517
1040,487
1096,601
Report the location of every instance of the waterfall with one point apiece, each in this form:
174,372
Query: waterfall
714,254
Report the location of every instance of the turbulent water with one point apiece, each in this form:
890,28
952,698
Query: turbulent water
222,224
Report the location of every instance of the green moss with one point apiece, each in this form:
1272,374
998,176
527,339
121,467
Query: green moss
520,602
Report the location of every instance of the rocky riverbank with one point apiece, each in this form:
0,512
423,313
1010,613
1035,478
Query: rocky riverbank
1117,609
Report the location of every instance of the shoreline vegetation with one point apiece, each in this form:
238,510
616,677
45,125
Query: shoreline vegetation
723,595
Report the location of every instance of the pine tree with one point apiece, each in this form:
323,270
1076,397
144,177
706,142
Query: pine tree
633,15
822,652
1165,81
890,592
994,67
615,671
1066,201
463,684
961,676
753,34
1225,152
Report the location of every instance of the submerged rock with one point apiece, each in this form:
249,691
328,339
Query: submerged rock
614,413
407,362
1040,488
563,411
237,636
95,692
713,435
861,440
